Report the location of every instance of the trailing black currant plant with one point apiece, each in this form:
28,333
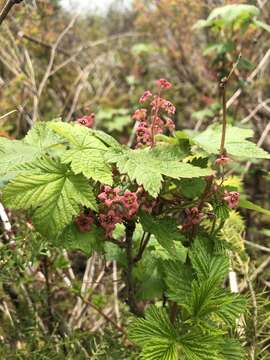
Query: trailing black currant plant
161,205
164,207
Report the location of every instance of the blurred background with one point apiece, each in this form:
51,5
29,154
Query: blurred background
69,58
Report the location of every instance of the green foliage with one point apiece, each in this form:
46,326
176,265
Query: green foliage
246,204
206,312
86,153
72,239
148,166
232,232
52,192
262,24
114,120
171,241
16,153
228,15
155,334
235,144
191,188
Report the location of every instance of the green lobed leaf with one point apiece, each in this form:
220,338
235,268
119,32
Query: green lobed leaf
72,239
198,289
192,188
166,233
41,137
236,143
16,153
160,339
198,346
86,153
156,326
160,350
13,153
232,12
178,278
149,166
232,350
53,192
206,264
228,14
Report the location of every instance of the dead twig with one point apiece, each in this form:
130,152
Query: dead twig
255,274
250,78
6,8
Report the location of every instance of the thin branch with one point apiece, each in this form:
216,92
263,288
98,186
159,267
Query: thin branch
48,71
254,112
260,142
255,274
106,317
259,247
36,41
6,9
130,227
223,85
250,78
115,293
7,114
143,245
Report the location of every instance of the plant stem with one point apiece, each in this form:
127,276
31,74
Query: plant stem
48,295
143,245
224,115
130,227
222,85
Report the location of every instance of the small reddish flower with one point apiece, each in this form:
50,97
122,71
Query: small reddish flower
194,216
222,160
157,102
140,115
158,125
145,96
147,203
84,222
163,83
232,198
168,107
129,198
109,195
108,222
130,201
87,121
143,133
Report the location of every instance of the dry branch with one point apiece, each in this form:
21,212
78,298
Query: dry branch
6,9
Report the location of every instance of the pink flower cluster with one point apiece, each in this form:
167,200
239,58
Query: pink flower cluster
232,198
87,121
84,222
152,124
117,207
163,84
